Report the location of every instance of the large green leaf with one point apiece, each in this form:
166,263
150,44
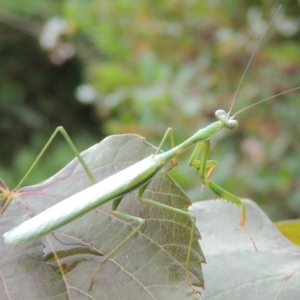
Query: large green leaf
150,266
234,269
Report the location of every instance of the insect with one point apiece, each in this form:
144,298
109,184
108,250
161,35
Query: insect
117,186
137,176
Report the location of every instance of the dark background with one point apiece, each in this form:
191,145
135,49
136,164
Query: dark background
124,66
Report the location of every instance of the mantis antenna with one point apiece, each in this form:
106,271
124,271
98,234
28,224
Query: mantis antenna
251,59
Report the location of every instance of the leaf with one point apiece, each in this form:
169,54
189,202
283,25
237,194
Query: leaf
150,266
290,229
234,269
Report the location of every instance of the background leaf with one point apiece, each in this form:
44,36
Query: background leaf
149,266
234,269
290,229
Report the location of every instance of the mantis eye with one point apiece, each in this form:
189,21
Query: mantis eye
232,124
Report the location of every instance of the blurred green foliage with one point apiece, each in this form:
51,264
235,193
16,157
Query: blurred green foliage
142,66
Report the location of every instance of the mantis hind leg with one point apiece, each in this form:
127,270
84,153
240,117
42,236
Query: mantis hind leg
71,145
8,196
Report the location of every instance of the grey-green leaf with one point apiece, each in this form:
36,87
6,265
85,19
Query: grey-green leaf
150,266
234,270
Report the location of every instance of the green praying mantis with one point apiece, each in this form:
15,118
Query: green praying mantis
115,187
135,177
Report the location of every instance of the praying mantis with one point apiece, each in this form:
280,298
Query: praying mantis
115,187
137,176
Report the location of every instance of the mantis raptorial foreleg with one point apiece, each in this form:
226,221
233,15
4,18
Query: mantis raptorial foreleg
202,165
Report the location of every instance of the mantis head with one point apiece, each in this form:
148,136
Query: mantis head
227,121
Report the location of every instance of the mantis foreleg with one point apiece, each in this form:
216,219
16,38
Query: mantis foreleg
202,165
